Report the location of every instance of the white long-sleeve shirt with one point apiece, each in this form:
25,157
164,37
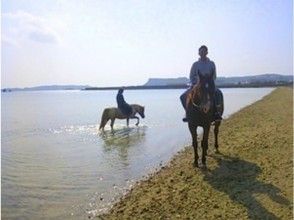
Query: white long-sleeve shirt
204,67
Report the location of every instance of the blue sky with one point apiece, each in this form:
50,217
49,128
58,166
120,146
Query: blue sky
115,43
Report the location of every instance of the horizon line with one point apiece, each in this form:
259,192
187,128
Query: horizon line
44,85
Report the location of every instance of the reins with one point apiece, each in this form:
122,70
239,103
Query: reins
195,91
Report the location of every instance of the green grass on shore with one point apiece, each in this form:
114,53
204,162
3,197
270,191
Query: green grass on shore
252,178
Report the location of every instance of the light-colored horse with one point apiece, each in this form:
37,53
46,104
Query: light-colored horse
113,113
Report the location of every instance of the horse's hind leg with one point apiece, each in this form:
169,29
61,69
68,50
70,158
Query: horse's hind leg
103,123
204,145
128,121
216,130
193,131
111,123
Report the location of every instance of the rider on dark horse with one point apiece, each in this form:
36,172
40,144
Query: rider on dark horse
203,66
125,108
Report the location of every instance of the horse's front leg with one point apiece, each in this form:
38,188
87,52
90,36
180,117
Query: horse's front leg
138,120
193,131
112,123
128,120
204,144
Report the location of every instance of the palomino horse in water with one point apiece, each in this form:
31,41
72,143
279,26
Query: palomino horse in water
200,102
113,113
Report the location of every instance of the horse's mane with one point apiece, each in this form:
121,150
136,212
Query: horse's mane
137,105
195,91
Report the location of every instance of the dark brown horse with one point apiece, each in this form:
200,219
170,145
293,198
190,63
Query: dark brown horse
200,103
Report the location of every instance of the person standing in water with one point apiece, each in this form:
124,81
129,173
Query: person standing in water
125,108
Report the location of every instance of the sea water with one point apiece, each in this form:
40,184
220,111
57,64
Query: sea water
57,165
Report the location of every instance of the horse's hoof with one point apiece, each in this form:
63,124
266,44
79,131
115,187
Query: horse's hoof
137,124
195,164
217,151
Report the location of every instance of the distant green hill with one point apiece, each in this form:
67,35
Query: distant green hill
51,87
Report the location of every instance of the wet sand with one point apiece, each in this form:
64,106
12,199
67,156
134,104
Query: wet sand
252,178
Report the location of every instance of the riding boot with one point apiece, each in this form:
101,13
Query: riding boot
183,99
185,119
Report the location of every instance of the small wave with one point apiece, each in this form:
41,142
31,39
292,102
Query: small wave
76,129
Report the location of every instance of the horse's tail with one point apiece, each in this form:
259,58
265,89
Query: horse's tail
104,118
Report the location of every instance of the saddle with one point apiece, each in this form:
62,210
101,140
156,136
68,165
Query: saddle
126,109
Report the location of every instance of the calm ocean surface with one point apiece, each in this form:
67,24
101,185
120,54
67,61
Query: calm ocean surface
55,163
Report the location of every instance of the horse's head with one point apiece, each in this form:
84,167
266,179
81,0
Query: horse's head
140,109
203,93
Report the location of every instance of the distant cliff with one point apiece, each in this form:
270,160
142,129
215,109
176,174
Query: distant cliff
166,81
236,80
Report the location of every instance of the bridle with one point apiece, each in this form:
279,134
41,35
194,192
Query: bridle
140,111
200,107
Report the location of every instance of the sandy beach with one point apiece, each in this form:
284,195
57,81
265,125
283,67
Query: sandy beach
252,177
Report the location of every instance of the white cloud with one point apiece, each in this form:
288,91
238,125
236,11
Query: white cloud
25,26
9,41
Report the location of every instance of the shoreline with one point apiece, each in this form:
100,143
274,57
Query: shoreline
162,87
252,178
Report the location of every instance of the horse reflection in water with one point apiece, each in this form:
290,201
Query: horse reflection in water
115,113
121,140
